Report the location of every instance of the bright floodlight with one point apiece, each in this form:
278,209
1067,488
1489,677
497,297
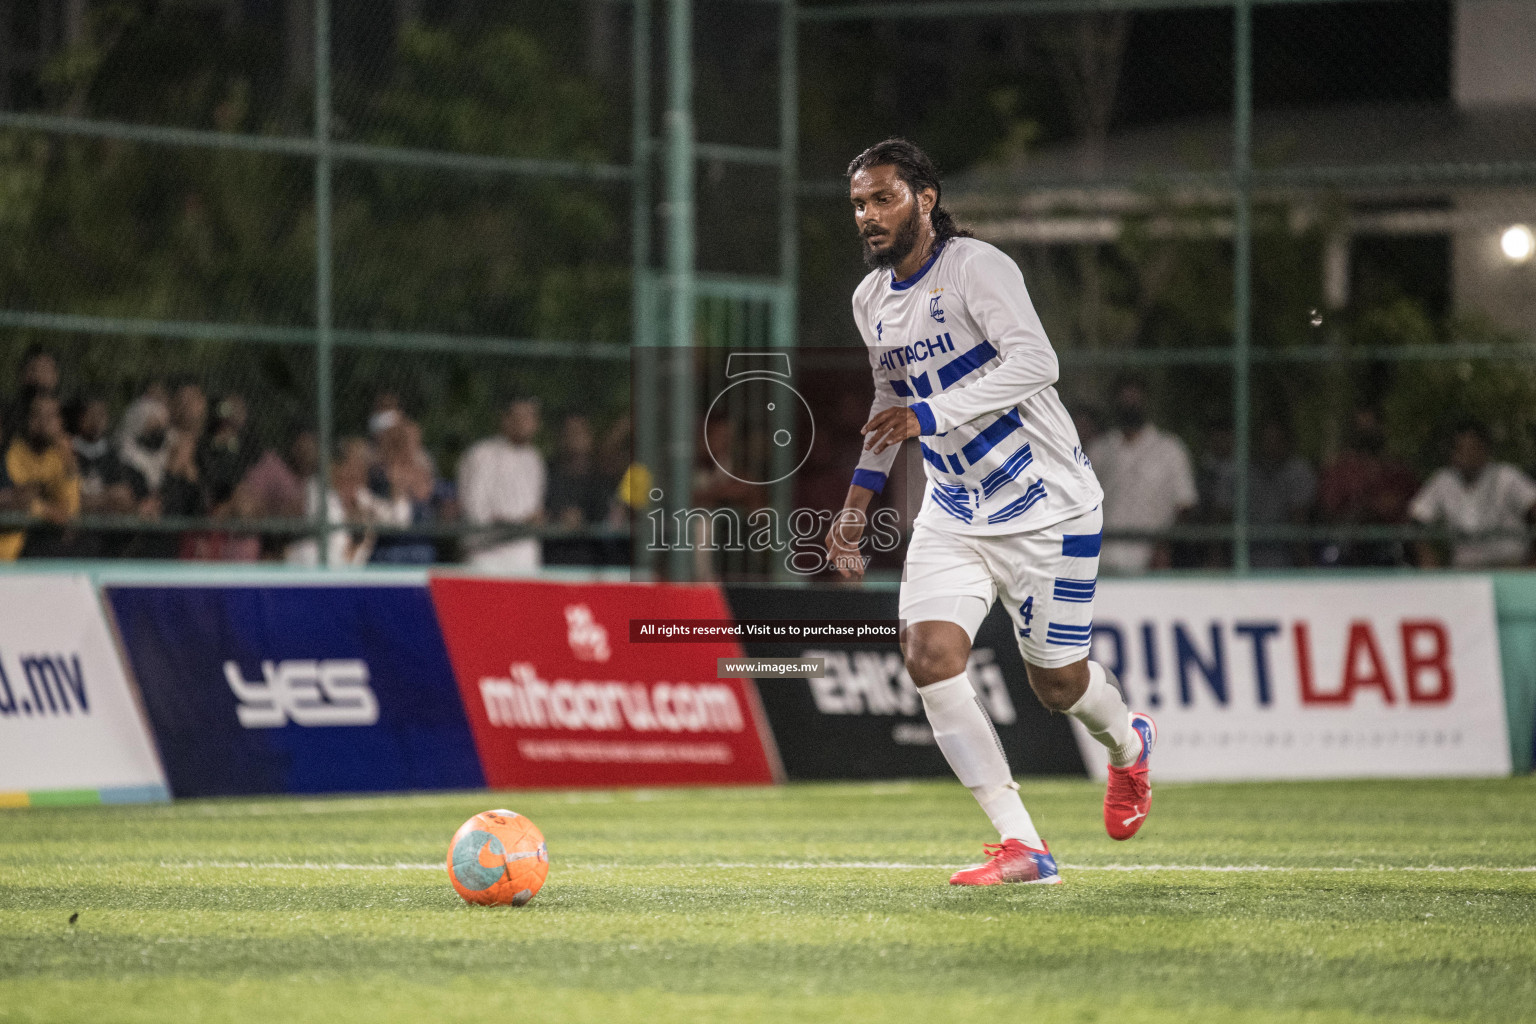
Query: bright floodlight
1518,243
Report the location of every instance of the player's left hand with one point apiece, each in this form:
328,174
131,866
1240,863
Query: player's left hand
892,426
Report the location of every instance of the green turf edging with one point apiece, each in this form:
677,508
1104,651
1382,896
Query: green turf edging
149,793
64,797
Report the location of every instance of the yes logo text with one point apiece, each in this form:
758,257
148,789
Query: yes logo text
307,693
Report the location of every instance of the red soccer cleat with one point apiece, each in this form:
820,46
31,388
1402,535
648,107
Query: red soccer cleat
1011,861
1129,796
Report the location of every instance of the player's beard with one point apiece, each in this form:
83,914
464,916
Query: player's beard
903,241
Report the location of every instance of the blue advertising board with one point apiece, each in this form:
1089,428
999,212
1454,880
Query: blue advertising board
296,689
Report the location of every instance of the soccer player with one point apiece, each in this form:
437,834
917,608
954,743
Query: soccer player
961,362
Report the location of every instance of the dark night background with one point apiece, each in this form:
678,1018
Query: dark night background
146,230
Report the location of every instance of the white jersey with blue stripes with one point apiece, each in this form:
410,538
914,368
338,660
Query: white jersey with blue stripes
960,343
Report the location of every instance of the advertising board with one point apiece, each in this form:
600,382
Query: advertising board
1308,678
864,719
70,730
296,689
557,695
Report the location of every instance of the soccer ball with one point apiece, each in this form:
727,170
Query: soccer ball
498,858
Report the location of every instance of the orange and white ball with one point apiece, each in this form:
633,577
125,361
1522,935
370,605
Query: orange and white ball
498,858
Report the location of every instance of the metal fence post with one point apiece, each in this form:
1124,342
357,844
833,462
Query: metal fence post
680,257
325,428
789,168
785,309
643,368
1242,272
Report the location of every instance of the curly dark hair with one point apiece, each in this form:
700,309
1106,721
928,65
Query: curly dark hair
914,167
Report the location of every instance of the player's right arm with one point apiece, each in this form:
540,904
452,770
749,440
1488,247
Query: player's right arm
846,532
847,529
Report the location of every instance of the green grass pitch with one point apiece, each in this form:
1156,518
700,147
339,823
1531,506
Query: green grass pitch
799,903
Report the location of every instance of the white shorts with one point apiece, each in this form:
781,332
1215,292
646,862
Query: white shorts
1046,579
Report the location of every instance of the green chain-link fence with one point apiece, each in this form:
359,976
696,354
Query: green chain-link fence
1293,220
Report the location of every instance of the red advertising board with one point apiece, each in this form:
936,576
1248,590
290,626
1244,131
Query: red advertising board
558,696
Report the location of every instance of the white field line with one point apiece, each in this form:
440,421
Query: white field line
882,866
294,866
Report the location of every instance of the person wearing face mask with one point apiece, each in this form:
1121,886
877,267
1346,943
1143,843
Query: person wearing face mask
41,466
1147,479
144,453
160,468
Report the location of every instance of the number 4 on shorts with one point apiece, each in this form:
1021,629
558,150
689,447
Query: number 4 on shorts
1027,612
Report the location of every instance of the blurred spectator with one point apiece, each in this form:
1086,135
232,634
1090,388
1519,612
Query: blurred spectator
501,481
1364,486
1088,421
155,393
277,486
821,482
718,452
39,370
386,412
1215,477
226,453
104,488
181,492
579,495
617,450
38,374
348,501
1476,495
1281,490
1216,484
143,451
189,409
41,466
223,456
715,486
632,492
1147,479
277,483
406,478
158,449
403,468
226,545
11,500
160,468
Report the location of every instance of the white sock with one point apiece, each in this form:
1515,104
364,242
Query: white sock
969,743
1102,711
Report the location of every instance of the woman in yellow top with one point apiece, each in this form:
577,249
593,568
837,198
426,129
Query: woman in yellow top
41,468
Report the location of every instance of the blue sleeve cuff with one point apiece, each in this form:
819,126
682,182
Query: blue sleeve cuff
869,480
924,418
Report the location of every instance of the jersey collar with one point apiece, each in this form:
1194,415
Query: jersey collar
902,286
